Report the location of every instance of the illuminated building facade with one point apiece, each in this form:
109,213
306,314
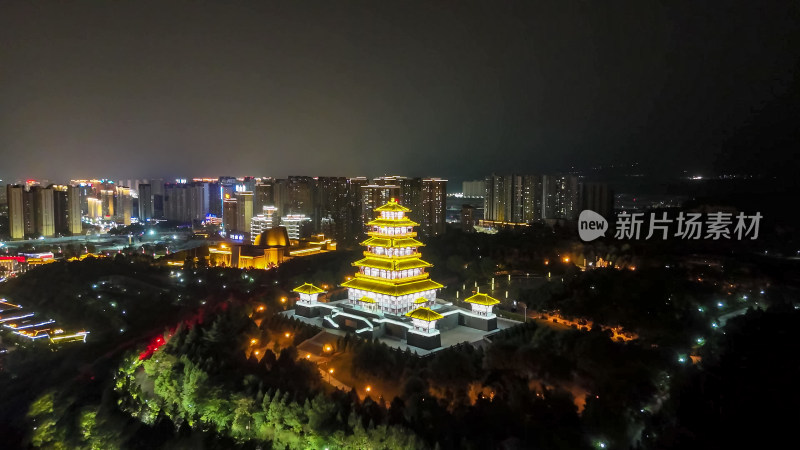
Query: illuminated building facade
94,208
244,209
230,214
124,208
434,193
16,213
298,225
262,222
145,203
392,273
44,211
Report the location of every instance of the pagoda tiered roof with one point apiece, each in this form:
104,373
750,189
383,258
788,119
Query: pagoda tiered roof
387,263
394,288
389,242
392,206
371,281
426,314
382,222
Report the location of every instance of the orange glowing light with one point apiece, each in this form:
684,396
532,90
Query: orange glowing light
566,259
253,341
330,370
283,299
287,334
328,348
261,308
256,352
369,388
308,355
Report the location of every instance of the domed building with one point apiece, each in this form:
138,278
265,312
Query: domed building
271,248
273,237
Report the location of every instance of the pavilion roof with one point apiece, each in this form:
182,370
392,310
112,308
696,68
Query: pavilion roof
482,299
426,314
308,288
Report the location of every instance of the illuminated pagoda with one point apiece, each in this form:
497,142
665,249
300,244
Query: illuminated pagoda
391,278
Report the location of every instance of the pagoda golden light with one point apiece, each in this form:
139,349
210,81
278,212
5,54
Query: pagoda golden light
287,334
253,341
391,276
369,388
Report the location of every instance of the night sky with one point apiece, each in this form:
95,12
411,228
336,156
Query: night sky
443,88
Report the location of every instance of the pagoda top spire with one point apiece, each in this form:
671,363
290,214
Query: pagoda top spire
392,206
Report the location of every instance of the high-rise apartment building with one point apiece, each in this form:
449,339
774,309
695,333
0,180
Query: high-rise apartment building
301,195
297,225
373,196
215,199
94,208
107,198
262,222
145,203
473,189
244,209
43,211
598,197
198,201
468,218
434,194
528,198
560,197
16,212
176,202
331,207
74,220
60,209
280,196
262,196
124,205
230,215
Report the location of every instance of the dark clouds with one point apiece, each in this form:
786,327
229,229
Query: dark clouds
458,89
